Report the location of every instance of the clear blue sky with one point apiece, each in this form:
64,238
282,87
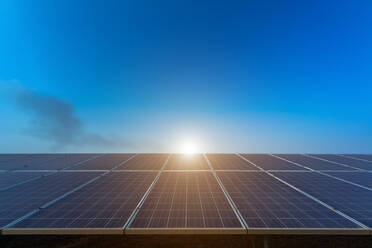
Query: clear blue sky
140,76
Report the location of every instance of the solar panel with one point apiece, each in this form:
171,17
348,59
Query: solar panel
105,203
105,162
162,193
229,162
361,178
313,163
26,162
145,162
365,165
354,201
8,179
186,200
265,202
63,161
360,156
268,162
19,201
187,162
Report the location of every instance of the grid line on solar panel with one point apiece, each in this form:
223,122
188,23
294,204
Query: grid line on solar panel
351,200
18,201
106,162
229,161
265,202
187,162
363,157
348,162
268,162
12,179
186,200
145,162
105,203
360,178
312,163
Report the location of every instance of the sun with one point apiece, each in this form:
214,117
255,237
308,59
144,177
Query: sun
188,148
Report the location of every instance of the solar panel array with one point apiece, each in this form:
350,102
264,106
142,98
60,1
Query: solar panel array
176,193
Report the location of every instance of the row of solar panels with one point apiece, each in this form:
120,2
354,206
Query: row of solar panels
194,201
182,162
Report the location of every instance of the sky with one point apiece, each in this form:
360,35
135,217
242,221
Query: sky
152,76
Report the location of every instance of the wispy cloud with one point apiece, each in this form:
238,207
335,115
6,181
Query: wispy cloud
56,121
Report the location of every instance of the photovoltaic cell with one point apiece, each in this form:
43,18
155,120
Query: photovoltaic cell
11,178
354,201
268,162
229,162
312,163
186,200
265,202
105,162
344,160
187,162
361,178
145,162
22,199
105,203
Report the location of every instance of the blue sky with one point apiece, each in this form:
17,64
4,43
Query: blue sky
142,76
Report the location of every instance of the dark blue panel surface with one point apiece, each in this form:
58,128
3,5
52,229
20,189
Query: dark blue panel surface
268,162
186,200
105,162
26,162
367,157
229,162
265,202
22,199
349,199
64,161
365,165
145,162
313,163
361,178
11,178
105,203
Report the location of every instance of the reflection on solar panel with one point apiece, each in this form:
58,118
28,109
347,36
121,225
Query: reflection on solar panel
361,178
105,203
265,202
187,162
313,163
8,179
229,162
268,162
186,200
19,201
354,201
161,193
360,156
106,162
145,162
365,165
